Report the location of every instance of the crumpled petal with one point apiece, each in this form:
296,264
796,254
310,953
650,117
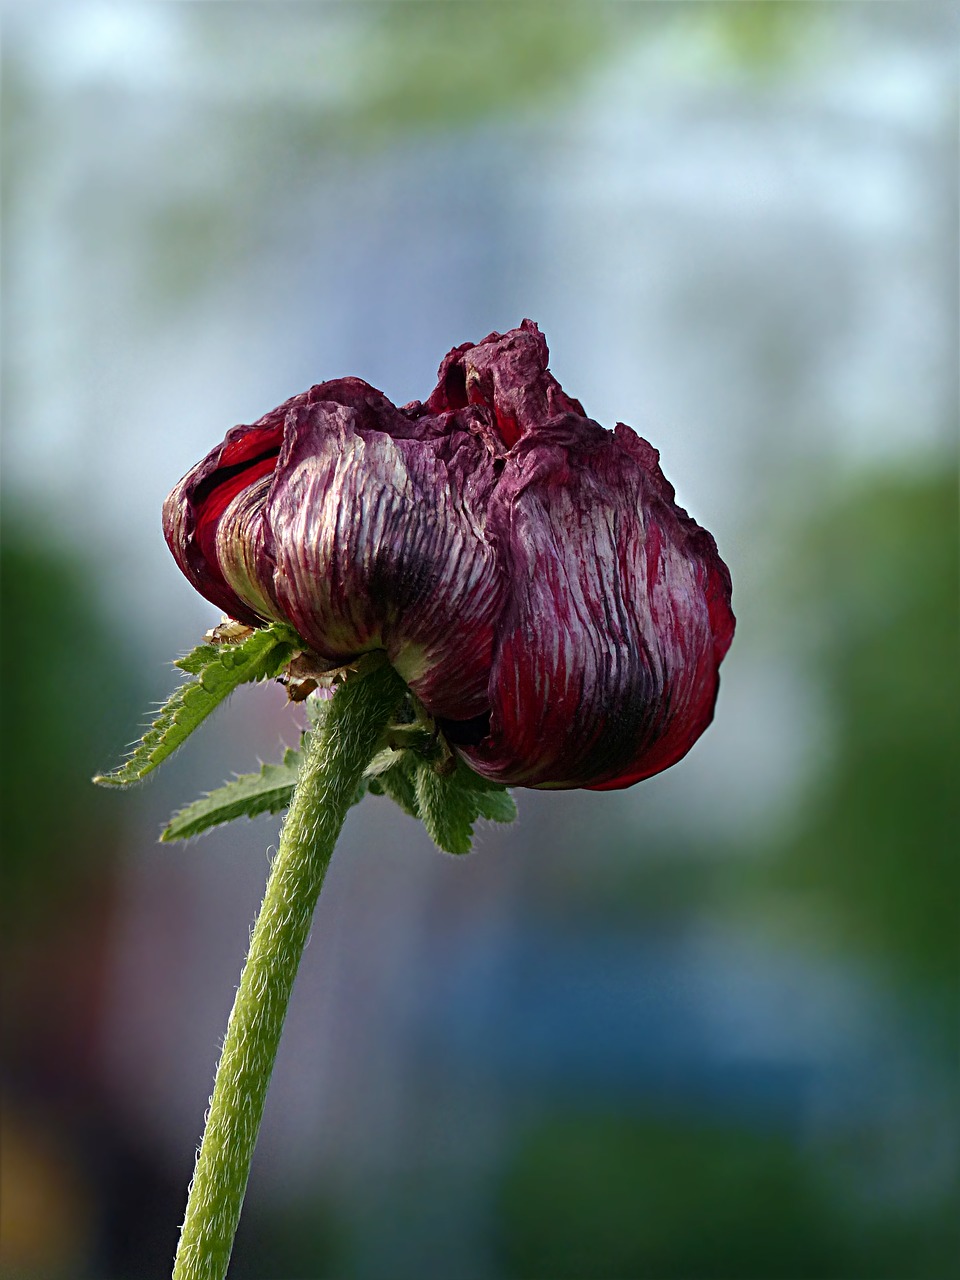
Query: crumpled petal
605,670
527,572
359,538
507,373
375,548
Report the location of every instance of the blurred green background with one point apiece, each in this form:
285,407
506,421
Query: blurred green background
698,1030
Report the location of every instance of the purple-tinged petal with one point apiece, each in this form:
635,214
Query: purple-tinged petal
192,512
374,547
528,573
605,669
242,548
507,373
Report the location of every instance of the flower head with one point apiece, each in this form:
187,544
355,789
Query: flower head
527,572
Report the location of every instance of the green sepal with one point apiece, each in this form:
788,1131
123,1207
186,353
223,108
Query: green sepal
496,806
447,811
451,799
422,778
216,670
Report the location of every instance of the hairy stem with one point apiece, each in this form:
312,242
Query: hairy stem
330,774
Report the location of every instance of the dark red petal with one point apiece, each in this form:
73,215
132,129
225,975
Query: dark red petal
528,573
605,670
377,546
192,512
506,373
211,510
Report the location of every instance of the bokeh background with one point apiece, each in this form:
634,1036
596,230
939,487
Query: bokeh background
704,1029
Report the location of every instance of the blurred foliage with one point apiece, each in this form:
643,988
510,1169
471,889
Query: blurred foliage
611,1196
451,64
762,37
878,833
413,68
69,702
277,92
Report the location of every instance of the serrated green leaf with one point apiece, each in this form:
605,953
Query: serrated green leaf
246,796
496,806
217,670
398,783
451,803
198,658
448,810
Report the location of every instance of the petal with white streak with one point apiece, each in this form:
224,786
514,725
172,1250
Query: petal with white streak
605,669
375,547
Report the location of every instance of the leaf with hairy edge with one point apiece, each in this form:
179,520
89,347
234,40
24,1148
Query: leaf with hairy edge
246,796
216,670
450,803
448,800
496,806
194,662
447,812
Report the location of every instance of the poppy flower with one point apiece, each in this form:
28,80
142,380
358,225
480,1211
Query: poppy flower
527,571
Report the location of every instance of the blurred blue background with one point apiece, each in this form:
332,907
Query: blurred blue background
703,1029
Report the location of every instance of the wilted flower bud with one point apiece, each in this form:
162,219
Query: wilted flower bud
527,572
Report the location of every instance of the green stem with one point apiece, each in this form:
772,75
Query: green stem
330,774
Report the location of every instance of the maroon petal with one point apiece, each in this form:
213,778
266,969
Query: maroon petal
375,546
528,573
193,511
507,373
605,669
